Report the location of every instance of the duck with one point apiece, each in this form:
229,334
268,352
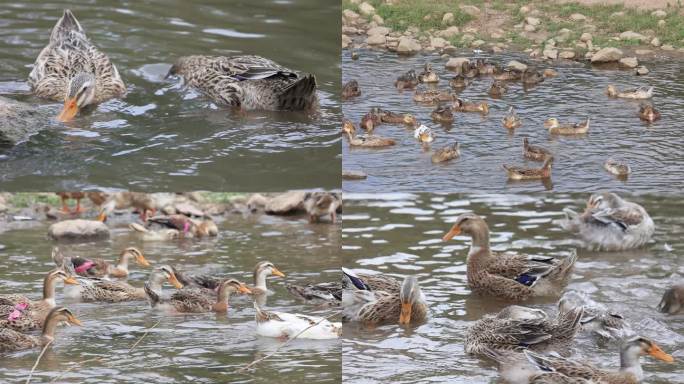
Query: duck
535,152
673,300
508,74
351,89
424,134
262,270
647,112
328,294
486,68
247,82
369,121
548,72
370,141
555,127
596,318
194,300
521,173
404,304
31,314
511,120
112,291
408,80
531,77
458,82
140,201
442,114
319,204
617,167
290,325
498,89
428,75
99,267
399,118
516,328
609,223
11,340
431,96
509,275
636,94
469,71
155,235
465,106
186,226
73,70
446,153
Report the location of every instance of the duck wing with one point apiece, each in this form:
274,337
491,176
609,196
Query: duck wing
251,67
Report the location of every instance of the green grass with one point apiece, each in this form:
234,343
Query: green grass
26,199
424,14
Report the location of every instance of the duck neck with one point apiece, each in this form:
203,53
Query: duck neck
629,363
122,264
49,329
222,300
260,280
49,290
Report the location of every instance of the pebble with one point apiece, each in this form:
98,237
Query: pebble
642,71
577,17
567,55
366,9
532,21
629,62
656,42
586,36
667,47
659,14
448,18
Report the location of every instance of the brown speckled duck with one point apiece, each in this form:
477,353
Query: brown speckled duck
647,112
442,114
365,140
428,75
447,153
408,80
195,300
99,267
458,82
511,120
534,152
556,128
617,167
531,76
399,118
351,89
521,173
433,96
369,121
11,340
673,300
498,89
465,106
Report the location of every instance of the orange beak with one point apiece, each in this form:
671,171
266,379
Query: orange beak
102,217
405,316
659,354
276,272
70,110
71,280
454,231
74,321
142,261
243,289
177,284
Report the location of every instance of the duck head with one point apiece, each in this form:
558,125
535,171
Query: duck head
80,93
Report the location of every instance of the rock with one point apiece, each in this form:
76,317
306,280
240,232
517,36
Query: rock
3,207
189,209
496,49
656,42
448,18
366,9
529,28
376,40
667,47
497,34
661,23
659,14
524,9
642,71
588,55
18,122
550,43
79,229
378,19
449,50
449,32
577,17
586,36
353,175
378,31
437,42
285,203
550,54
456,63
516,65
407,46
354,55
477,43
642,52
532,21
629,62
607,55
470,10
631,35
535,53
346,40
617,14
568,55
548,72
350,16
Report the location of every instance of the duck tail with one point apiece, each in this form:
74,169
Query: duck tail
66,24
151,295
299,95
565,267
568,324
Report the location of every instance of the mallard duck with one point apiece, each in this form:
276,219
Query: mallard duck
469,71
535,152
548,72
465,106
71,69
516,328
498,89
248,82
369,121
403,303
319,204
673,300
424,134
637,93
596,318
511,120
186,226
610,223
520,173
262,270
508,275
442,114
366,140
617,167
399,118
142,202
486,68
428,75
531,76
327,294
408,80
351,89
99,267
458,82
433,96
647,112
11,340
101,290
194,300
288,325
555,127
508,75
156,235
32,313
446,153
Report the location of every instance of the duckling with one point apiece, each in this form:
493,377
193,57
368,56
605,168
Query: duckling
617,167
637,93
469,71
318,204
673,300
428,75
511,120
433,96
531,77
465,106
364,141
369,121
647,112
534,152
447,153
424,134
287,325
351,89
11,340
555,128
458,82
498,89
398,118
408,80
442,114
520,173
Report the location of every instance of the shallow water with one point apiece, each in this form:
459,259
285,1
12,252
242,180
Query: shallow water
160,136
653,151
400,234
198,348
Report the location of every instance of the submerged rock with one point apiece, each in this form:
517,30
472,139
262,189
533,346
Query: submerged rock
78,229
18,122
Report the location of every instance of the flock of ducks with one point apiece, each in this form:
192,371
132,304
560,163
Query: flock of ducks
529,345
446,103
71,69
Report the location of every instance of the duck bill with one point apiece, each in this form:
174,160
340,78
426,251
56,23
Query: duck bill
454,231
142,260
659,354
405,316
69,111
174,281
276,272
243,289
102,217
74,321
71,280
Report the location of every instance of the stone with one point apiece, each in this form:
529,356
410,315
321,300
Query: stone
496,49
407,46
448,18
470,10
286,203
449,50
642,71
449,32
661,23
667,47
366,9
455,63
350,16
577,17
550,43
376,40
659,14
550,53
355,55
532,21
378,31
437,42
353,175
79,229
516,65
642,52
497,34
617,14
548,72
529,28
477,43
3,207
586,36
629,62
346,40
378,19
568,55
607,55
656,42
535,53
467,38
524,9
631,35
589,55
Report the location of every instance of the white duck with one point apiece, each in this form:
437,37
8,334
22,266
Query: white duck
424,134
288,325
